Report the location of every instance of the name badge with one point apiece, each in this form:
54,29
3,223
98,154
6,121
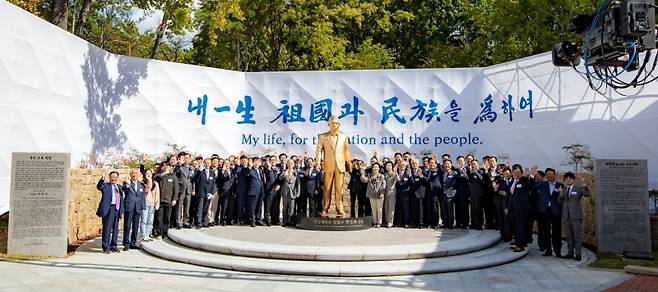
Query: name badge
313,175
450,176
417,179
141,190
518,186
210,178
301,175
405,179
574,193
170,180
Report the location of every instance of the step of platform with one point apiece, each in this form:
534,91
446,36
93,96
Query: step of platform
472,241
496,255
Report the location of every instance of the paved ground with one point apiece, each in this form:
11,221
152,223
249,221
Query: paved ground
370,237
637,283
135,270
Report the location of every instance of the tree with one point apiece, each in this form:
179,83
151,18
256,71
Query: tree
82,18
579,156
176,18
59,13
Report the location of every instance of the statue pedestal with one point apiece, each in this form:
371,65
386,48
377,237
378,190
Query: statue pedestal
331,223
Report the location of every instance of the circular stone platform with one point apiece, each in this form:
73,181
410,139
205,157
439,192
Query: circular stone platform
372,252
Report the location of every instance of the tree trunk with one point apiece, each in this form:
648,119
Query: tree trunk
159,35
82,19
59,11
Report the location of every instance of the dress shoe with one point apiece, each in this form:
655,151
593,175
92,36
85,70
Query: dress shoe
578,258
268,224
548,253
106,251
134,246
116,250
126,248
197,227
518,249
558,255
260,224
252,224
569,256
187,226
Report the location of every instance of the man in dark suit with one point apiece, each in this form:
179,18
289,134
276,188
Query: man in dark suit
519,204
404,193
462,195
476,182
272,185
205,187
310,180
501,186
448,183
434,193
572,214
133,204
110,209
419,183
241,188
225,183
256,183
550,214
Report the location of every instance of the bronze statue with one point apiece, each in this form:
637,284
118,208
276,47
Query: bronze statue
333,153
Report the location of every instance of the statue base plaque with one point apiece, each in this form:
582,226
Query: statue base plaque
335,224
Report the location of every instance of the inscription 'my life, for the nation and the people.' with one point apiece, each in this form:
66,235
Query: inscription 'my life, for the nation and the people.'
38,204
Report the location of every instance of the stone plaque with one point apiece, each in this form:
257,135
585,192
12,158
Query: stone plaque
38,208
622,211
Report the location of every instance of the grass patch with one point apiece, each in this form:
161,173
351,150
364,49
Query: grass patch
6,257
617,262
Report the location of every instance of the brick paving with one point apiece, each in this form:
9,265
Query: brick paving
636,284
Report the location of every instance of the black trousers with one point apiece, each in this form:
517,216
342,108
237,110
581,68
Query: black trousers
174,215
532,217
406,209
504,220
276,207
550,231
449,211
301,204
240,205
520,219
163,219
267,206
418,211
131,220
398,218
433,209
258,212
476,212
461,210
490,210
226,207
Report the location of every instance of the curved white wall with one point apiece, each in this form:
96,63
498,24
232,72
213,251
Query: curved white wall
60,93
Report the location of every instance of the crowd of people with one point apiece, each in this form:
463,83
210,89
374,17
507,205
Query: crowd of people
400,191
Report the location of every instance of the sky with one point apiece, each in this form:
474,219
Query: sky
151,21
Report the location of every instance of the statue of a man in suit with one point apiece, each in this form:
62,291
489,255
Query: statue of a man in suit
333,153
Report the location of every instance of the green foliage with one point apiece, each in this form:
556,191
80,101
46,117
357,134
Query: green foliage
267,35
618,262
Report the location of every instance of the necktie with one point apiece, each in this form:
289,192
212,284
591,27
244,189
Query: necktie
207,174
117,198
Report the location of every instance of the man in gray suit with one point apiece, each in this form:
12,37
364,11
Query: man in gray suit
572,214
184,173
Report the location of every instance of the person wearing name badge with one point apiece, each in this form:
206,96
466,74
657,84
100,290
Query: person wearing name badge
476,182
419,181
225,179
518,205
391,178
448,183
375,189
405,189
205,187
290,188
462,196
133,206
572,215
255,191
152,202
169,191
549,211
434,193
501,185
110,209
